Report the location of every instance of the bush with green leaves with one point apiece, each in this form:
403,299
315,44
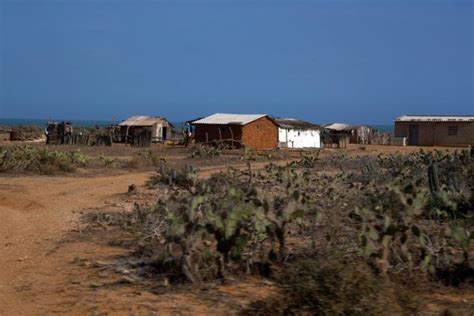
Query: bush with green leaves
412,221
208,151
240,220
20,159
145,158
184,178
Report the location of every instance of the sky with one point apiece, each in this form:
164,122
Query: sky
325,61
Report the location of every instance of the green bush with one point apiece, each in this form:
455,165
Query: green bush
144,158
22,159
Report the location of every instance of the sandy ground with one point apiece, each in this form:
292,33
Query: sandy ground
37,213
39,274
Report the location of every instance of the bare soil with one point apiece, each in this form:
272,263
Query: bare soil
50,262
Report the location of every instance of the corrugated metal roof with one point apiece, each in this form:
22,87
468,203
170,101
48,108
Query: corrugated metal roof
141,121
435,118
224,119
337,126
296,124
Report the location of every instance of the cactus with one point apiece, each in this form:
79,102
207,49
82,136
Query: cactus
433,179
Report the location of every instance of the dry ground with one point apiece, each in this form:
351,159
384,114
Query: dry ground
50,264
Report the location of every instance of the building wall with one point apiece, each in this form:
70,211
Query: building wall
260,134
5,135
293,138
161,131
207,132
439,133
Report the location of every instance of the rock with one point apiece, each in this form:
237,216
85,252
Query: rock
100,264
96,284
132,189
124,280
103,274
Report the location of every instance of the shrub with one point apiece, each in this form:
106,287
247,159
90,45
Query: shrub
42,161
108,161
185,177
203,151
144,158
336,286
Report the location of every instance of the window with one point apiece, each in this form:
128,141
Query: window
258,127
452,130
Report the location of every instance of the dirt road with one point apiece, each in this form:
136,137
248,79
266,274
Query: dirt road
36,213
38,275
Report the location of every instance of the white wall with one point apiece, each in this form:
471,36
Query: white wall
299,138
158,131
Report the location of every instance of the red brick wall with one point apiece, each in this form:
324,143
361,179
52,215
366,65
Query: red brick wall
260,134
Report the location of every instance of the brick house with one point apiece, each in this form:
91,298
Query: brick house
257,131
436,130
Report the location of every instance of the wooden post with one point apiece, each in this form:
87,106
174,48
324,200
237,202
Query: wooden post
126,135
231,136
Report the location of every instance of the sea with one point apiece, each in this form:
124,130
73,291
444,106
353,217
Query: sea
384,128
43,122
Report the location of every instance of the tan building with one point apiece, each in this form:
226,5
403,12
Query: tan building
257,131
155,128
436,130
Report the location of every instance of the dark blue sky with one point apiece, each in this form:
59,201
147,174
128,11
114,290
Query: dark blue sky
348,61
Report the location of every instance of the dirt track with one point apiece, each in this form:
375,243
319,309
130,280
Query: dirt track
37,212
38,272
38,275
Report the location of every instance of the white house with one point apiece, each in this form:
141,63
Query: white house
294,133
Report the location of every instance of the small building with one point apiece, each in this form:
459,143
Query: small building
5,134
360,134
293,133
336,134
144,130
257,131
436,130
58,133
357,134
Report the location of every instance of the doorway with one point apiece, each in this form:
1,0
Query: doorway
164,133
413,135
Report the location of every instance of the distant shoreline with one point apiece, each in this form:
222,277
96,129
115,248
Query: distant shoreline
387,128
43,122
